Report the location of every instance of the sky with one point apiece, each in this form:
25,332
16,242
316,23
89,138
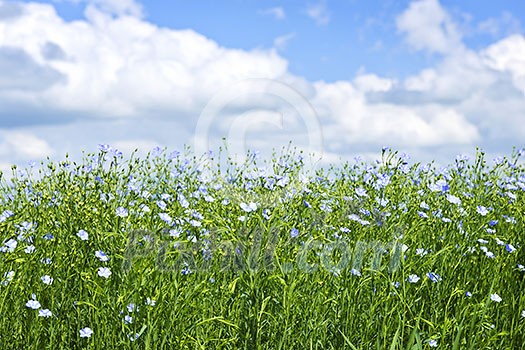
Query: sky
338,79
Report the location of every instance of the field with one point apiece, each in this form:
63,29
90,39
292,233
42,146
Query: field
170,251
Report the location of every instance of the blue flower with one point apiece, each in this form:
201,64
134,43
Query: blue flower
48,236
434,277
104,147
131,307
294,232
173,155
482,210
510,248
121,212
361,192
422,214
6,214
183,201
101,255
440,186
166,218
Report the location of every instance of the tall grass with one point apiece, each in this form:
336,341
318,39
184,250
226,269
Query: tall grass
169,251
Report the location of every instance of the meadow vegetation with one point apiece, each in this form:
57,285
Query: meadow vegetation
172,251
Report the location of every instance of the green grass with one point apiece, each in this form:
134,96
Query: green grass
321,260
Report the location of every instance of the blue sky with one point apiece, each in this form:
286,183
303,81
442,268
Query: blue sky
434,78
350,36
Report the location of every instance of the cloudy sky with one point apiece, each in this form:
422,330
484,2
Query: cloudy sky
337,78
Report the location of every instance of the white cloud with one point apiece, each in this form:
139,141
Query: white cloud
281,41
371,82
404,126
505,24
127,67
319,12
123,80
277,12
508,56
114,7
22,145
460,74
428,26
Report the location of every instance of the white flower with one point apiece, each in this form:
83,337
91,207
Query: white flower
101,256
128,319
150,302
44,313
83,235
413,278
499,242
433,343
495,297
248,207
104,272
121,212
133,337
166,218
482,210
132,307
523,313
33,304
86,332
47,279
421,251
355,272
361,192
453,199
29,249
8,277
11,245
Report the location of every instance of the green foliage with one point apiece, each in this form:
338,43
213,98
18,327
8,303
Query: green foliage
172,251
